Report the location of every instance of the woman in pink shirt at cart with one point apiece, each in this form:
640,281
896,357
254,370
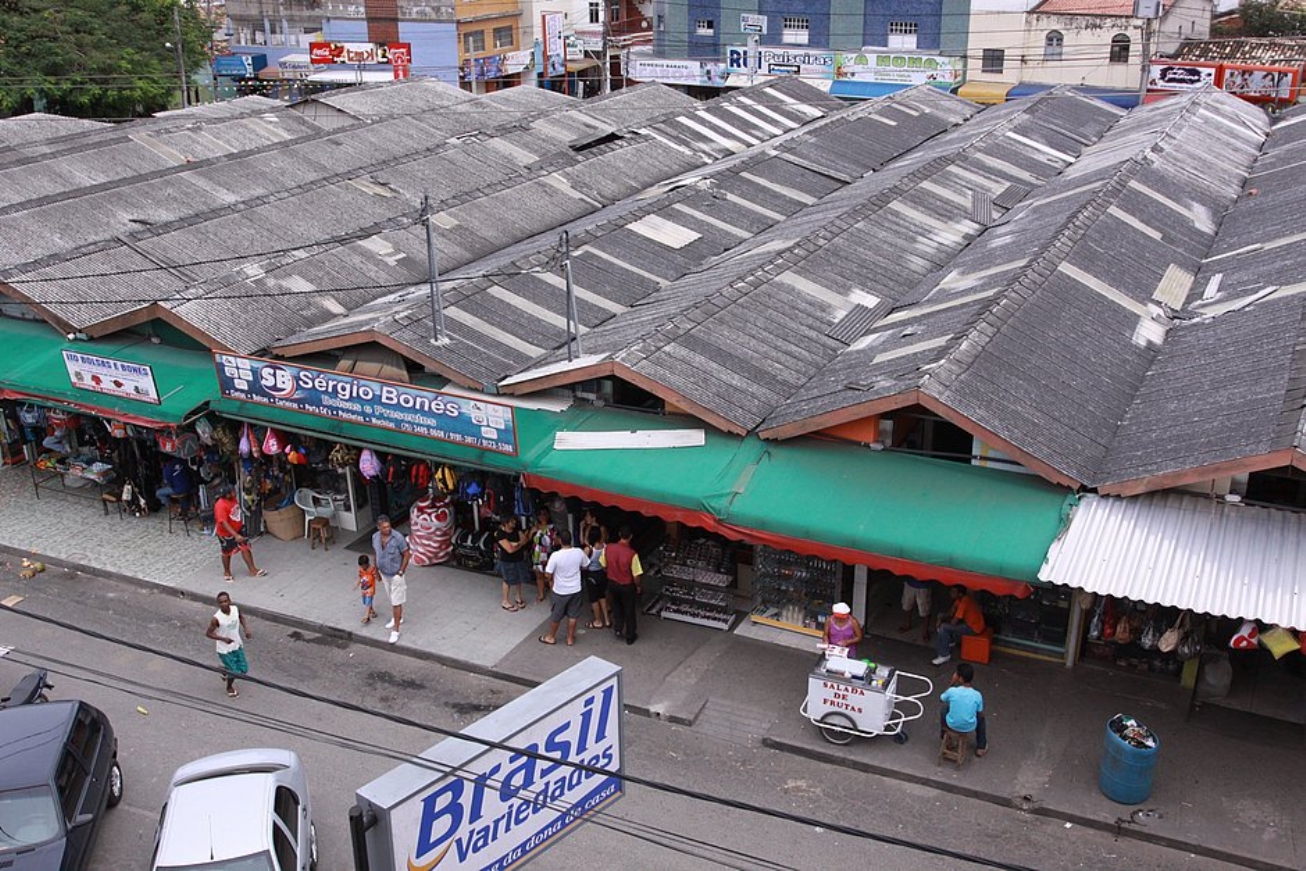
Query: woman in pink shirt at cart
842,629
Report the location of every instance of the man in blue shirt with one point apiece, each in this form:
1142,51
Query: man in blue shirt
177,485
963,709
392,553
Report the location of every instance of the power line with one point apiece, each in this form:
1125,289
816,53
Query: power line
644,831
669,789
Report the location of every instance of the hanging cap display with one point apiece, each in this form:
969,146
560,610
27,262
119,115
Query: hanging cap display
841,608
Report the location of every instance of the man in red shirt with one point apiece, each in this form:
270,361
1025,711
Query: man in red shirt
228,525
624,585
965,618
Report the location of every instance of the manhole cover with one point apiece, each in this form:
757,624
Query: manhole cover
1146,817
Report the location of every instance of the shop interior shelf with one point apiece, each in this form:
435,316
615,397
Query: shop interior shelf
722,621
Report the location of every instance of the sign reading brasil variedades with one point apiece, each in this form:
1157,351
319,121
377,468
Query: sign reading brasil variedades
469,805
342,396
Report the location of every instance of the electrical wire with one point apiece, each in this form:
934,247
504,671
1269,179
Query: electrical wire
605,817
658,786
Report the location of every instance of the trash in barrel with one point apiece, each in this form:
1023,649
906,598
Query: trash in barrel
1128,760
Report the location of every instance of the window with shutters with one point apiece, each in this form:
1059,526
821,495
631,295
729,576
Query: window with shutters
1120,49
795,29
902,35
1052,45
992,60
474,41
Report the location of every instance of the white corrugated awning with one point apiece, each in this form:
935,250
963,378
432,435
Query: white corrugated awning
1187,551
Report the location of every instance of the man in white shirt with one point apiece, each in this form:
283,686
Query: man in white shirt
563,572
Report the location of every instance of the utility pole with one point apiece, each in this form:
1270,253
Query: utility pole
433,275
181,56
606,87
1146,10
573,317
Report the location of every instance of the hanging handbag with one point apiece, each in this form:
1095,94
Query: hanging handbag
1171,637
204,430
1150,636
1190,646
1246,637
1095,625
1124,630
272,442
168,441
245,440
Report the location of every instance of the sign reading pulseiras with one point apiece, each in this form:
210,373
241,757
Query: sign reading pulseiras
113,377
404,408
467,805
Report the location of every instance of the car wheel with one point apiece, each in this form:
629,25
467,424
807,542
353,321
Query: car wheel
312,847
115,784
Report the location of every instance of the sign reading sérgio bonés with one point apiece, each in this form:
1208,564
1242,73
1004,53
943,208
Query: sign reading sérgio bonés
447,417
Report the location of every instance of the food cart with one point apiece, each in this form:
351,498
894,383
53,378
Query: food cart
851,697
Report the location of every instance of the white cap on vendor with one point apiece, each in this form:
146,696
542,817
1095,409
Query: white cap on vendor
841,608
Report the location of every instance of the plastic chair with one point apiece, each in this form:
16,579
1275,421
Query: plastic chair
314,505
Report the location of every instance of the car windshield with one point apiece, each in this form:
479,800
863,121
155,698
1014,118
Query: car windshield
255,862
28,817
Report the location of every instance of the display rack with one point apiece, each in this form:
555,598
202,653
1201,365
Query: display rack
696,580
794,592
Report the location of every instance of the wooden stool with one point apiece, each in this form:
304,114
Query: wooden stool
976,648
319,529
954,746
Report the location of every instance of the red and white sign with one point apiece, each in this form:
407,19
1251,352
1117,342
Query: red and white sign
359,53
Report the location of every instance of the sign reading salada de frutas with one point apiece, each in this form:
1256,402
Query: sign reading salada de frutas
516,782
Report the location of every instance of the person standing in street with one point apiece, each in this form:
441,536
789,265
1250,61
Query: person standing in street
225,629
963,708
842,629
392,556
510,546
563,570
366,585
624,585
229,525
964,618
596,579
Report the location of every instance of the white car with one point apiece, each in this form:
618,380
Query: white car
246,810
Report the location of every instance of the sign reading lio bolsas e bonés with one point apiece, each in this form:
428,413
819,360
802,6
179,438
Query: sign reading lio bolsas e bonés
467,805
114,377
400,407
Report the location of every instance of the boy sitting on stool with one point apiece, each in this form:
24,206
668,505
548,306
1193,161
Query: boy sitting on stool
963,708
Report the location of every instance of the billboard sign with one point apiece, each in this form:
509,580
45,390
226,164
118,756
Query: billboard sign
676,72
778,60
238,65
360,53
555,46
752,23
1261,84
112,377
418,411
1177,76
467,805
898,68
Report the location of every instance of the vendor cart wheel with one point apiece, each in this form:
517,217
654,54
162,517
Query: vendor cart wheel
900,738
835,736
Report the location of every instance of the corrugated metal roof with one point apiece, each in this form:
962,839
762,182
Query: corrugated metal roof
1186,551
1271,51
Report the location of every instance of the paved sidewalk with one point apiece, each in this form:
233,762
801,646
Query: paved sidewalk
1227,785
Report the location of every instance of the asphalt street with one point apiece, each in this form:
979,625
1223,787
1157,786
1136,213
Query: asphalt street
168,712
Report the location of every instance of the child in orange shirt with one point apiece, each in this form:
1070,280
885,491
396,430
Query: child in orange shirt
367,577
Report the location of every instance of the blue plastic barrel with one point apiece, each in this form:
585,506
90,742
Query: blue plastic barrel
1126,772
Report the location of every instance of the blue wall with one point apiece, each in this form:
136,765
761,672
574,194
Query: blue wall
869,18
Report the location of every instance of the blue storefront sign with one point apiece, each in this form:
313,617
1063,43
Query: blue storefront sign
445,417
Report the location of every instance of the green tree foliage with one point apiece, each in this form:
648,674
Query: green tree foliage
1270,18
95,58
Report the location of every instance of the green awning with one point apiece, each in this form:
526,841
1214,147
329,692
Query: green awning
534,427
690,484
903,508
32,368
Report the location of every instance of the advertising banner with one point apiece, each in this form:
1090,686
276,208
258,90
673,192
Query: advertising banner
370,401
1180,76
555,48
114,377
238,65
752,23
898,68
676,72
470,806
357,53
779,60
1261,84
